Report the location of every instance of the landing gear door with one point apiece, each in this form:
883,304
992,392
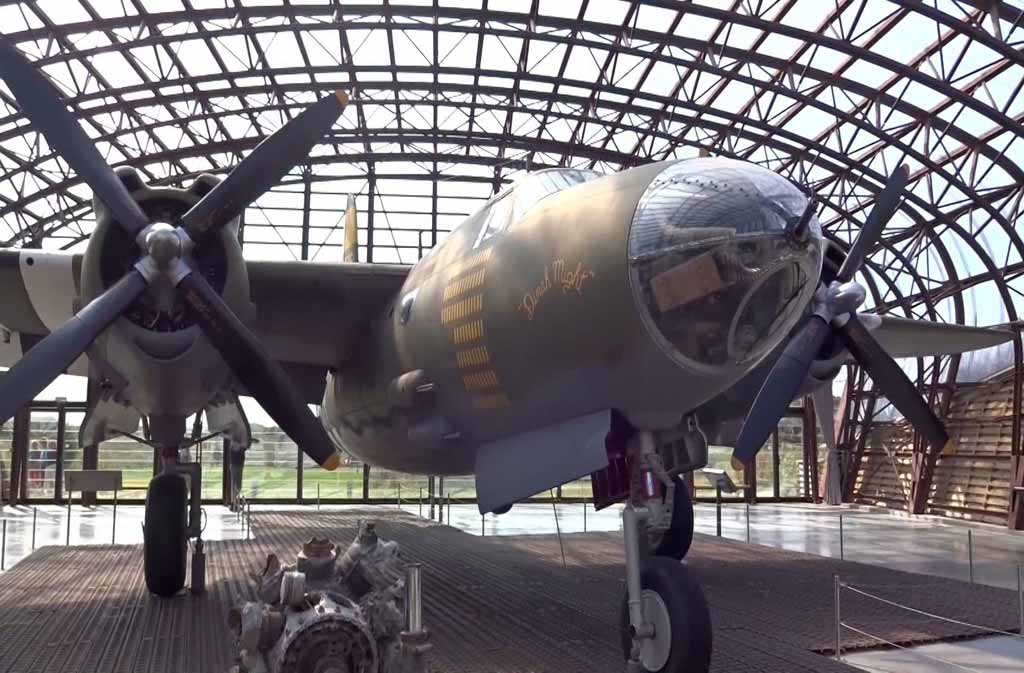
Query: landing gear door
518,467
111,415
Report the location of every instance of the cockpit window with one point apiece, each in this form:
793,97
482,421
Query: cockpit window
496,218
516,201
536,186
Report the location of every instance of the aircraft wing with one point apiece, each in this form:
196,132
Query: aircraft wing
903,337
309,315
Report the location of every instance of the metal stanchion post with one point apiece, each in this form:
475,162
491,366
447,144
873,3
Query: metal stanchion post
68,540
413,599
35,511
449,508
421,501
414,641
1020,598
839,623
718,510
970,556
3,548
113,521
748,523
842,543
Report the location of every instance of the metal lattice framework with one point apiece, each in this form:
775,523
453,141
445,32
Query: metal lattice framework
453,99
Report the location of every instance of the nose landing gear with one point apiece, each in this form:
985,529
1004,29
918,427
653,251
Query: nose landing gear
666,625
173,515
165,534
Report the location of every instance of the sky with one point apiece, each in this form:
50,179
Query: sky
273,223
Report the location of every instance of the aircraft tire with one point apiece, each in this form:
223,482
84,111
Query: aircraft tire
675,542
675,604
165,535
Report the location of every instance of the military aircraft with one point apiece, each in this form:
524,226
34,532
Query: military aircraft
577,324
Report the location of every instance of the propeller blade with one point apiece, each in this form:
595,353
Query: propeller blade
264,167
42,105
892,381
885,207
262,375
781,386
822,397
54,354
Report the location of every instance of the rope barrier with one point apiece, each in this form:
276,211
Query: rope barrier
931,615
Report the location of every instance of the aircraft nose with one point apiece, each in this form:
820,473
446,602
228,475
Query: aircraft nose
724,256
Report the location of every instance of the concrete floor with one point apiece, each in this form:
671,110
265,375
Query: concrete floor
924,545
985,655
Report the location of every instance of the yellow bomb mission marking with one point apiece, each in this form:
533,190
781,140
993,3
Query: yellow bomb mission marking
558,273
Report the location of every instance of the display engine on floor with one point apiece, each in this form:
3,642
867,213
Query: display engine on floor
354,613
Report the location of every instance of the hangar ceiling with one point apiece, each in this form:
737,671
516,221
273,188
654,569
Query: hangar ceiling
453,99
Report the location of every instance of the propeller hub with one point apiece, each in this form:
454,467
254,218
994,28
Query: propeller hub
845,297
163,244
837,300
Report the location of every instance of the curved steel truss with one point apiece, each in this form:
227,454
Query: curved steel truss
454,99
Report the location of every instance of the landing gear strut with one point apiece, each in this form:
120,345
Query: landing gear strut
666,626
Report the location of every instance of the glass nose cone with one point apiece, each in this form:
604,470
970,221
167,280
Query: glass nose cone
723,261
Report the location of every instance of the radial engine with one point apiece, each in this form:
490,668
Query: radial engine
330,613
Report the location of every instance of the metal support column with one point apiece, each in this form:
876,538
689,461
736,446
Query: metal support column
298,474
19,455
225,467
925,456
371,191
776,464
307,188
90,454
366,482
810,441
58,468
1015,518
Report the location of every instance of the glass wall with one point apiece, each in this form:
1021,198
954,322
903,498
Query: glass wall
791,458
272,468
345,482
271,465
42,455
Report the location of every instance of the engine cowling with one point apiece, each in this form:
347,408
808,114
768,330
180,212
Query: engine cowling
156,353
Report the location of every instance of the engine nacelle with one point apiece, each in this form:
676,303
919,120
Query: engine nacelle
155,351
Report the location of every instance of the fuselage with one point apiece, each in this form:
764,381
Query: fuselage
649,292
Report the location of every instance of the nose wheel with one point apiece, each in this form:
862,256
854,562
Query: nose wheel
165,534
665,623
674,606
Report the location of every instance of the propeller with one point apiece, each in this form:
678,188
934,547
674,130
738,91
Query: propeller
833,311
164,252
